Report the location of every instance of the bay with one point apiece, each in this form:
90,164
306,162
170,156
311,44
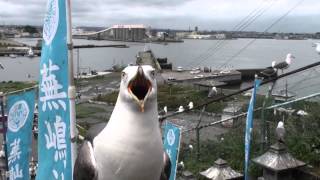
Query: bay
189,54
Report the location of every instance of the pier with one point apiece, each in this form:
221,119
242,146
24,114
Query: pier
186,76
18,52
93,46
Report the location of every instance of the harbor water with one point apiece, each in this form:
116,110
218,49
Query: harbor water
189,54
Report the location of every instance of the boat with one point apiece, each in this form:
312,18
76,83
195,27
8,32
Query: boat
13,55
30,53
179,69
195,71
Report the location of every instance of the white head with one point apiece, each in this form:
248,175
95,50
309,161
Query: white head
138,85
317,47
181,164
280,125
289,58
165,109
273,64
181,109
214,89
190,105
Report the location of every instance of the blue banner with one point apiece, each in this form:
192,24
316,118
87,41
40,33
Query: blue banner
20,119
171,145
54,145
249,124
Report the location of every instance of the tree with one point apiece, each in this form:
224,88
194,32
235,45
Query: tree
30,29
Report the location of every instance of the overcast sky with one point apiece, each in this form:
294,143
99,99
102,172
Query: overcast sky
177,14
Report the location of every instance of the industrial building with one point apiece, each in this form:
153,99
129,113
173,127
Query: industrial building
137,32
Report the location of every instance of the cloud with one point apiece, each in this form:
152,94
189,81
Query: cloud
207,14
154,3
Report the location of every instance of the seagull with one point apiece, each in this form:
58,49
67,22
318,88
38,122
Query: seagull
2,153
163,112
190,105
213,92
317,45
1,66
130,145
280,131
181,109
302,113
190,147
165,109
166,171
283,65
268,72
180,166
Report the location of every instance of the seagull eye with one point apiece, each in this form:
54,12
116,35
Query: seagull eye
153,73
123,74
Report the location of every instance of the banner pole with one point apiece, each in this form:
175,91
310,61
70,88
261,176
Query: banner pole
4,127
71,88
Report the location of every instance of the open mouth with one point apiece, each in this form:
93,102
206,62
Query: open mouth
139,86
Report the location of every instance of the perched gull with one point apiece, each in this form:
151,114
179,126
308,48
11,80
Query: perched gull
165,109
317,45
284,64
213,92
190,147
180,166
190,105
130,145
269,71
181,109
166,171
280,131
302,113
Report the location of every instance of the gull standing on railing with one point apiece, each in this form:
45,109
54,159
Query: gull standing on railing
284,64
317,45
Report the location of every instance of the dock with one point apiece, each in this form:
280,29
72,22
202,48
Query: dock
18,52
101,46
86,46
187,76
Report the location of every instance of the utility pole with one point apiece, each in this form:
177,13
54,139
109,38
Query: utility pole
4,130
78,64
71,88
264,127
198,132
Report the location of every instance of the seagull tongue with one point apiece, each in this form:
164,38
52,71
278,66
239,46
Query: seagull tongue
140,85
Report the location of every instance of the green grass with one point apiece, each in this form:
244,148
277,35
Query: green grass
174,96
302,140
83,111
14,86
109,98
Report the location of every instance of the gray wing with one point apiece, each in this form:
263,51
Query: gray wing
280,133
268,72
85,165
166,170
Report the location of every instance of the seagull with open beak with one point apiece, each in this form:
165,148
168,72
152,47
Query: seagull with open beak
130,145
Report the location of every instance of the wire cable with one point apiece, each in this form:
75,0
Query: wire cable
257,109
245,22
245,89
266,30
